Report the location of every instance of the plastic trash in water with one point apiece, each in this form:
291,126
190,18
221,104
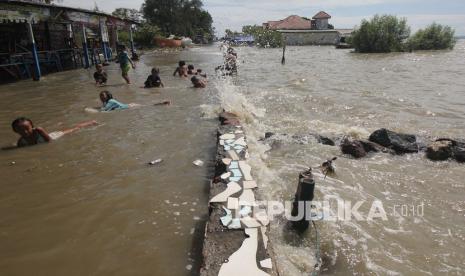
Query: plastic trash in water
155,162
198,163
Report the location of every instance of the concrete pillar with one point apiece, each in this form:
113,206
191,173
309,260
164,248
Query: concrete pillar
35,56
85,48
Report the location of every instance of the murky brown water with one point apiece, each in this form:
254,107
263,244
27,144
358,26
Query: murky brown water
88,205
335,92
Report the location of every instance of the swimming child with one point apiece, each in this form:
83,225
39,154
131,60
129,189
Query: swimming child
198,82
181,70
125,63
31,135
199,73
100,75
110,104
154,79
191,70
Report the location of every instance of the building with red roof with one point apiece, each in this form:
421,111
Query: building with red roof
294,22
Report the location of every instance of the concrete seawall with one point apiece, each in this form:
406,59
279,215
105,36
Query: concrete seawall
236,241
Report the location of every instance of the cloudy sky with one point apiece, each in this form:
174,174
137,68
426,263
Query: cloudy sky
233,14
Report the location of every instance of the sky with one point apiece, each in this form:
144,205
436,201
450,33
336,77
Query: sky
233,14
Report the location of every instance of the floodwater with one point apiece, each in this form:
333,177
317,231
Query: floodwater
88,204
336,93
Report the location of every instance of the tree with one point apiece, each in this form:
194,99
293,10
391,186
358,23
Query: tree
130,14
382,34
433,37
251,29
145,34
263,37
180,17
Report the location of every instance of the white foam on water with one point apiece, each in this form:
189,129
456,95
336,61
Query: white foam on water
360,247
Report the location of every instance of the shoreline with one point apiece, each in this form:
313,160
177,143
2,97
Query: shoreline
234,246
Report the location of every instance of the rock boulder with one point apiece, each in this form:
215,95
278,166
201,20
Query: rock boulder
440,150
399,142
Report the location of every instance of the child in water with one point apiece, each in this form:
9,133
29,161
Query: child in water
125,63
191,70
110,104
199,73
31,135
198,83
154,79
100,75
181,70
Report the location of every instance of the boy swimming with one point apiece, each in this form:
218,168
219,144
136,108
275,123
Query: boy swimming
100,75
125,63
191,70
199,73
154,79
181,70
31,135
198,83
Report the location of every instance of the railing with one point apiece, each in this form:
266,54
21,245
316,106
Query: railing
19,65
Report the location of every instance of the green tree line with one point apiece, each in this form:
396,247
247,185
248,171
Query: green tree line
263,37
180,18
169,17
387,33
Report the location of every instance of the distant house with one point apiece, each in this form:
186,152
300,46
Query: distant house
294,22
298,30
321,21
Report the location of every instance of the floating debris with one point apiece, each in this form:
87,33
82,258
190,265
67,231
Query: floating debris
198,163
155,162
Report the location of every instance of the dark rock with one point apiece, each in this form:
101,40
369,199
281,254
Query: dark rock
269,135
459,154
354,148
360,148
325,140
440,150
445,148
227,116
371,147
399,142
232,122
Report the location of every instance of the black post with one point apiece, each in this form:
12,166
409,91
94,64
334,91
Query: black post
283,60
305,193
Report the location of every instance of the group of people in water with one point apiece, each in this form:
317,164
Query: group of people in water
197,77
31,135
